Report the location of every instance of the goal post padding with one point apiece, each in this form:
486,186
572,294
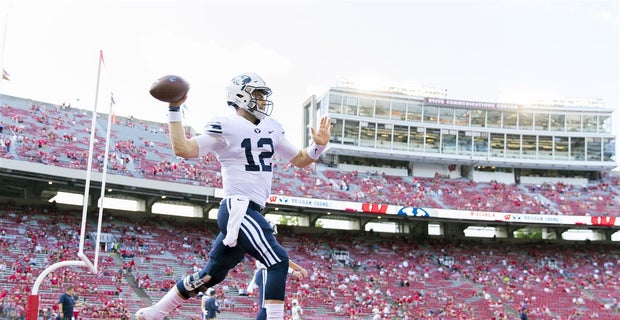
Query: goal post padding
32,311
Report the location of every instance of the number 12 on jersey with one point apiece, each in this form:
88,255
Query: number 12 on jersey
261,143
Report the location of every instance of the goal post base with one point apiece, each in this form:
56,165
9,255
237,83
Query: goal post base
32,311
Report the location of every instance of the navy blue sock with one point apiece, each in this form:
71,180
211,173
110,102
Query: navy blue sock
276,281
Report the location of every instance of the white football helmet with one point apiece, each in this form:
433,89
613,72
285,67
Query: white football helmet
249,91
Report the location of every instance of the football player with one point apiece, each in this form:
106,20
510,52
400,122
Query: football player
260,279
244,144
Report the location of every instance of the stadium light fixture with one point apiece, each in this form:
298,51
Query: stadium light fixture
75,199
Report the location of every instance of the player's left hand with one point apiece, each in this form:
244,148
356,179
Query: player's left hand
322,134
300,273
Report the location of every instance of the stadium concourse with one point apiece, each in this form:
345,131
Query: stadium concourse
423,277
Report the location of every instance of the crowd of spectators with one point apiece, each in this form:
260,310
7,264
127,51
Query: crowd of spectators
388,277
59,135
34,238
385,278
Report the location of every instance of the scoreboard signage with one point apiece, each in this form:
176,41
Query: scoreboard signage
386,209
470,104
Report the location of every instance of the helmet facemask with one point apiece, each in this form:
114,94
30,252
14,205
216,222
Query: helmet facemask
258,105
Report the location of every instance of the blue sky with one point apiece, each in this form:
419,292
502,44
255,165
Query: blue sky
477,50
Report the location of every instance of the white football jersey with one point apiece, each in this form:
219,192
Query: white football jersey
245,152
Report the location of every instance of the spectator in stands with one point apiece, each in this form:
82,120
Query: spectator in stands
245,145
46,314
376,314
20,311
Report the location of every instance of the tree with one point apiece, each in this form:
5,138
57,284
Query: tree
528,233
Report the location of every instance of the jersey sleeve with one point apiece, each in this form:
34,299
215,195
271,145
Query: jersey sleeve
212,139
284,148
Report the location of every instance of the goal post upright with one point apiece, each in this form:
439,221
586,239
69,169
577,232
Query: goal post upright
32,309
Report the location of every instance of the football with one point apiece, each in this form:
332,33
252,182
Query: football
170,88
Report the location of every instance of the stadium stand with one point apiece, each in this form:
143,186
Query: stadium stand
426,279
59,135
353,275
